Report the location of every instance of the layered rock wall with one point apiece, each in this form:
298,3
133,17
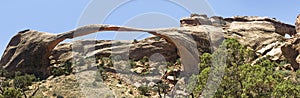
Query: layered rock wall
280,27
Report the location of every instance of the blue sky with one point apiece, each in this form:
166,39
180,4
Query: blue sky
57,16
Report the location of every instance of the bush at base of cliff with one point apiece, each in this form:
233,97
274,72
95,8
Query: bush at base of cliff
11,93
287,89
65,69
18,86
23,81
243,80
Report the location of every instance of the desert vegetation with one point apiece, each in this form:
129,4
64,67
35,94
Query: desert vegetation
17,86
242,79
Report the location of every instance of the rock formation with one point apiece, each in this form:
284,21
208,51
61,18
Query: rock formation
298,24
196,19
266,37
31,51
28,52
280,28
291,48
259,34
36,52
105,48
291,51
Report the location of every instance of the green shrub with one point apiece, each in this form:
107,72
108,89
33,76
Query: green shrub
178,61
205,61
5,84
144,59
107,61
241,79
23,81
144,90
17,87
169,64
132,64
100,75
286,89
65,69
12,93
161,87
57,71
67,66
202,79
3,72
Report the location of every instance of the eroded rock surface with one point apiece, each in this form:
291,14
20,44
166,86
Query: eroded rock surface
32,48
28,52
133,50
291,51
298,24
260,35
34,52
202,19
280,27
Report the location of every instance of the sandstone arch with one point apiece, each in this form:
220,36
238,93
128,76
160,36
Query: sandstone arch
30,50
